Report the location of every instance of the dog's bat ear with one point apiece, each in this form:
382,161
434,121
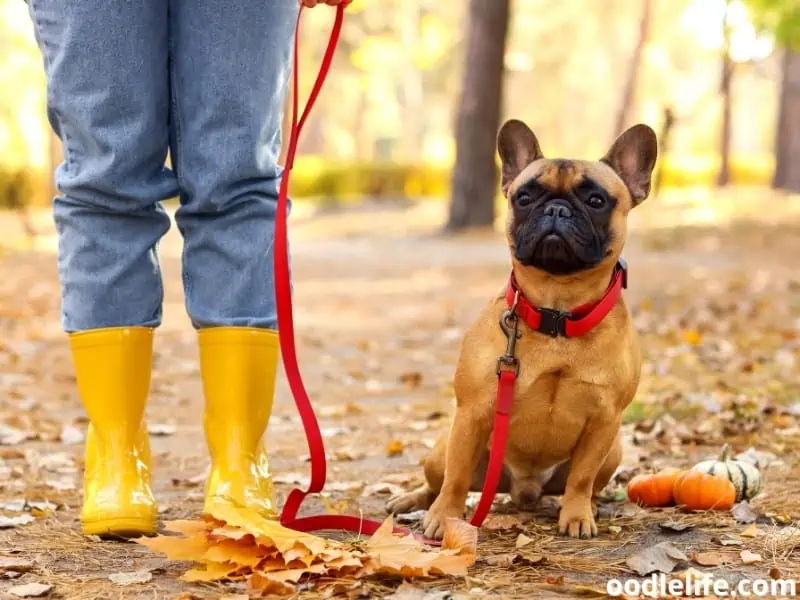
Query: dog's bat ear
633,156
518,147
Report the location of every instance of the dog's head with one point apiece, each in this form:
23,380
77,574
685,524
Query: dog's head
567,216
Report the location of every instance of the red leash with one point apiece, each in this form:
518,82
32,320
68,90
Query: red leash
283,293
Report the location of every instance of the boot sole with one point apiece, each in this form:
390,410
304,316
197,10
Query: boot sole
120,527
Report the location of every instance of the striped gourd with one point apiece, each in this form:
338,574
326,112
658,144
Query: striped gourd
745,476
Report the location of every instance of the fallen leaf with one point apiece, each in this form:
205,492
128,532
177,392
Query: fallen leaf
614,530
56,461
348,454
692,337
460,536
677,526
30,590
192,547
238,544
751,531
71,435
382,489
60,485
727,540
13,437
750,558
341,410
742,512
15,564
531,558
502,523
411,380
407,591
661,558
708,559
131,578
405,556
9,522
394,448
759,458
522,540
14,505
209,572
775,573
502,560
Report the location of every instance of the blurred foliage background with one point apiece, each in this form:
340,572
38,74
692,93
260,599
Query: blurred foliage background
420,86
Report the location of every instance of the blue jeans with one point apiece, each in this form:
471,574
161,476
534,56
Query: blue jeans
127,82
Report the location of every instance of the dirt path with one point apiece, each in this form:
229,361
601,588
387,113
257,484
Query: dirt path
381,305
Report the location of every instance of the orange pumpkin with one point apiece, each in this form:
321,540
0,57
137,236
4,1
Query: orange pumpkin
655,489
695,490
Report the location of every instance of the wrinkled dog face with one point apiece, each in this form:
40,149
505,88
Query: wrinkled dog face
567,216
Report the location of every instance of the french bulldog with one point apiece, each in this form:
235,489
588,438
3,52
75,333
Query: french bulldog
566,228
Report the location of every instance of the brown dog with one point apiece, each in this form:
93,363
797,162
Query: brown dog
567,224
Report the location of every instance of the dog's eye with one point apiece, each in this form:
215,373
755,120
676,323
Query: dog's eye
523,198
596,201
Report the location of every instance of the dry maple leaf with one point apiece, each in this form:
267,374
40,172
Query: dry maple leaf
293,575
267,530
245,555
404,555
211,571
259,583
193,547
186,527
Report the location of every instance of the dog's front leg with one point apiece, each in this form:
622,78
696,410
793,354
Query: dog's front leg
577,518
469,435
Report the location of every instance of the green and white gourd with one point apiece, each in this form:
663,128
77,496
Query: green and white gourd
745,476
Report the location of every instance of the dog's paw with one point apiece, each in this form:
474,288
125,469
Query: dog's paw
576,519
418,499
437,516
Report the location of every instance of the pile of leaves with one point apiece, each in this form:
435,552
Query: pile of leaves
237,544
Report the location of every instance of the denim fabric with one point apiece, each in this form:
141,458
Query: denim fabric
128,81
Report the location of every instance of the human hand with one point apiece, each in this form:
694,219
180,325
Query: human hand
312,3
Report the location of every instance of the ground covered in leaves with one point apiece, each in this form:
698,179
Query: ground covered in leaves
381,305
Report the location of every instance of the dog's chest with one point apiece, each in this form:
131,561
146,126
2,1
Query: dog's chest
549,415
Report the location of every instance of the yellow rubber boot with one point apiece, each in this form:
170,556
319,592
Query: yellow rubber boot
238,367
113,372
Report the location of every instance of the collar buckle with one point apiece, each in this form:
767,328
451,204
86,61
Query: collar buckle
553,322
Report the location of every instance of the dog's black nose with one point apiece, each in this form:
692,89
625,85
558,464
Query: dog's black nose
558,209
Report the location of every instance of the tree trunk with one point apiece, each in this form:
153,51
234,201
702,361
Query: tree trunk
787,143
629,91
724,176
663,146
474,184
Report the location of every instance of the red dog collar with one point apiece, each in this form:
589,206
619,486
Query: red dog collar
575,323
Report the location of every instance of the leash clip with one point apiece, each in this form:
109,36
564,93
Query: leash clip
509,323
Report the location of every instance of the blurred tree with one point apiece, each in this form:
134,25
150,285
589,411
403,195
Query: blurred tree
787,139
629,91
782,18
724,175
475,174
